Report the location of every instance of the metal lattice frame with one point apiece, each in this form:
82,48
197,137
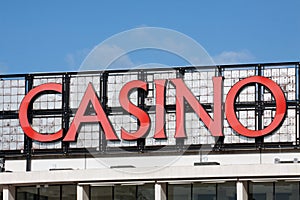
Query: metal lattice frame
258,111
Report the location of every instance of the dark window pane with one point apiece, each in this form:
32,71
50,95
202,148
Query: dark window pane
145,192
202,191
125,192
287,190
28,193
50,192
179,192
260,191
101,192
226,191
69,192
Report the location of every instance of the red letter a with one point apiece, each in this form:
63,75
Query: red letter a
90,96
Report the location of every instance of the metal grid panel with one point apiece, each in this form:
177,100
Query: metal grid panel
170,90
170,100
12,92
47,101
115,83
198,81
196,131
43,124
201,85
287,132
246,117
129,123
88,136
11,135
170,131
285,78
46,125
78,86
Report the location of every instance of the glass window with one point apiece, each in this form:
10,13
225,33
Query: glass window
140,192
179,192
49,192
101,192
203,191
287,190
210,191
69,192
1,196
226,191
277,190
125,192
146,192
260,191
28,193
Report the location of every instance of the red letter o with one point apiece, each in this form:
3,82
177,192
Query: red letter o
230,110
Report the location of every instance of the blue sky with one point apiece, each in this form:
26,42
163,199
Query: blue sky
42,36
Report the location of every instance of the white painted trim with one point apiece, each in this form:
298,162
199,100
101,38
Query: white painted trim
241,190
8,192
160,191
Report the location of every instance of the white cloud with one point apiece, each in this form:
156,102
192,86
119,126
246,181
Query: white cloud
107,56
170,41
234,57
115,52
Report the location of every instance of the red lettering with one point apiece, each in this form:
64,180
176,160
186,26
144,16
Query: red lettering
159,110
90,96
141,115
184,94
23,113
231,98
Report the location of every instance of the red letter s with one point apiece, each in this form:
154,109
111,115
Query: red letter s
134,110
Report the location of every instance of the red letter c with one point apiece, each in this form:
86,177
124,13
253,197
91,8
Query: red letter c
23,113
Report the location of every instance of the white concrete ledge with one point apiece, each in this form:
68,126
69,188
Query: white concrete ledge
241,172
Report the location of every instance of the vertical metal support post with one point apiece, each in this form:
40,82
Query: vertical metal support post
27,140
66,110
141,104
104,99
219,141
259,110
180,141
297,82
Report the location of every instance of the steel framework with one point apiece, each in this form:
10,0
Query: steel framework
255,108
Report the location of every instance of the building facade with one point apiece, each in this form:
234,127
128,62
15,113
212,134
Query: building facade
214,133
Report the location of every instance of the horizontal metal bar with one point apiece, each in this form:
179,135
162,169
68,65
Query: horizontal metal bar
153,69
